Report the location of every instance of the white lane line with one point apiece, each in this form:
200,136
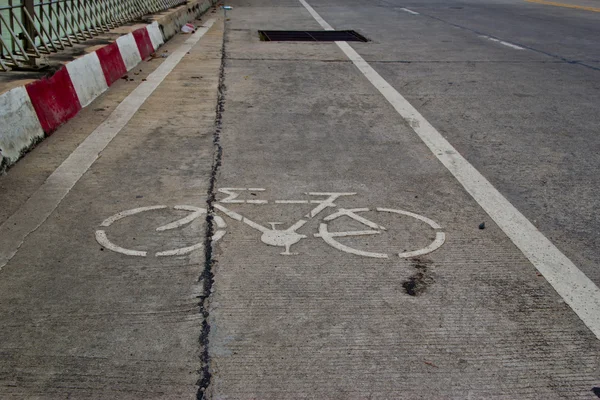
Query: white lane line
316,16
577,290
512,46
44,201
410,11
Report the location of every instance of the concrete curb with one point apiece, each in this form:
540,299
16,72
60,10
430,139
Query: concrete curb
170,22
31,112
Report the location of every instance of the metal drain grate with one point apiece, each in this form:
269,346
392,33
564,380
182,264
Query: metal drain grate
311,36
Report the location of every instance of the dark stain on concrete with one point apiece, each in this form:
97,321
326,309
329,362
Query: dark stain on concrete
418,283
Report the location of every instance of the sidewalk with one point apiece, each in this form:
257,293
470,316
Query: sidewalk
77,319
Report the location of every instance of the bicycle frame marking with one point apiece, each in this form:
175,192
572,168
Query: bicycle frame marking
272,236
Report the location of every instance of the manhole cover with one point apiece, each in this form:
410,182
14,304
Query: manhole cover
311,36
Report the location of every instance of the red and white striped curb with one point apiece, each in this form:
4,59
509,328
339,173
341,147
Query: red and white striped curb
30,112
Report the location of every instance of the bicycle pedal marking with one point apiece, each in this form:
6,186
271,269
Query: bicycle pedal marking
277,235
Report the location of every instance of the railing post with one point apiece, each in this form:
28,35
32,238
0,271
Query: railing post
28,24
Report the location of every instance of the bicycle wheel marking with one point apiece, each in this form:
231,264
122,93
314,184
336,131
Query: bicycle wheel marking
102,239
110,220
274,236
328,238
196,212
440,237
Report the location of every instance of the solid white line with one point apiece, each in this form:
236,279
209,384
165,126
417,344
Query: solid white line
45,200
513,46
577,290
410,11
316,16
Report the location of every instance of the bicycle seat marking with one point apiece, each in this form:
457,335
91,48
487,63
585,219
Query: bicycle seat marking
273,236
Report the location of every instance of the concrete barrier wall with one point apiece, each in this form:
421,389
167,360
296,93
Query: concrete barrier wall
171,22
31,112
19,126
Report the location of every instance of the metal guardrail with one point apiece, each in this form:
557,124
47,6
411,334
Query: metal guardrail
29,28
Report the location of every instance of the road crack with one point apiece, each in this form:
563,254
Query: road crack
207,276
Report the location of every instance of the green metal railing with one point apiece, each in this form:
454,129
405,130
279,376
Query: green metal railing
31,28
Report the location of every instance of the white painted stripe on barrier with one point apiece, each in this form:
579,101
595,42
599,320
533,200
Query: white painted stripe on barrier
155,34
577,290
19,124
44,201
87,77
129,51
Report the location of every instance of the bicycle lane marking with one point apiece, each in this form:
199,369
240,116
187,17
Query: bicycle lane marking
577,290
34,212
274,236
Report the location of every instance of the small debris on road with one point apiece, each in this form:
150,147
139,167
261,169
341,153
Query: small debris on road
188,28
482,225
430,364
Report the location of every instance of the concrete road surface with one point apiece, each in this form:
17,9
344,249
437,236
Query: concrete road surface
415,217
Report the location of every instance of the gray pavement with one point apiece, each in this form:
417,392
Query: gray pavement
295,123
526,119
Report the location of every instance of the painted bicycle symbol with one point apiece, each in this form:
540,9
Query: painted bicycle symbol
273,236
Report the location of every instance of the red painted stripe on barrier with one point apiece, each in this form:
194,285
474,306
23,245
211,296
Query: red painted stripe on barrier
111,62
144,44
54,100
